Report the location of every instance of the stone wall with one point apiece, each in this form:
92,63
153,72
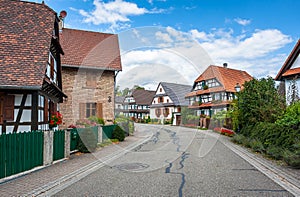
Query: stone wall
75,87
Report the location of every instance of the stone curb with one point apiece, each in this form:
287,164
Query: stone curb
282,178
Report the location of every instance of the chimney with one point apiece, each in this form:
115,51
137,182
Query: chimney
62,16
225,65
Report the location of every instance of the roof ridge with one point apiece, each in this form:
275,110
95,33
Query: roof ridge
88,31
36,3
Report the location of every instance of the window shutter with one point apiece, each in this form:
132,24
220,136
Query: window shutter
99,110
46,110
51,67
1,108
82,111
8,107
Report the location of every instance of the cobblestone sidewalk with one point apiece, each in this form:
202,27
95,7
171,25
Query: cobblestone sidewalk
21,185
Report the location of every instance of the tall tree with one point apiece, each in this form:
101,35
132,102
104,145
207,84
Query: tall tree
259,101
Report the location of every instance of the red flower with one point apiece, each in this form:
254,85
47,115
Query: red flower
56,119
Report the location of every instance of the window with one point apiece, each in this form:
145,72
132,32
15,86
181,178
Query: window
87,110
212,83
206,98
160,89
160,99
167,100
157,112
166,112
7,103
90,109
52,69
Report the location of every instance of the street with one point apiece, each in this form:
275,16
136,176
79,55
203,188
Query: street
176,161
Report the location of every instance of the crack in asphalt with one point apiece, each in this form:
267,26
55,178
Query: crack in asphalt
175,138
184,156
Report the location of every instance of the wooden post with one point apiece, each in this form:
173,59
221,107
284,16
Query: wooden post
34,111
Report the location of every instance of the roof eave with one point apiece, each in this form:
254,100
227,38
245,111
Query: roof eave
90,67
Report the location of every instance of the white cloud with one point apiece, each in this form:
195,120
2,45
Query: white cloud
243,22
112,12
168,49
115,13
163,36
255,53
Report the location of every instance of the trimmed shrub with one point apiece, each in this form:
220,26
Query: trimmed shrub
118,133
87,141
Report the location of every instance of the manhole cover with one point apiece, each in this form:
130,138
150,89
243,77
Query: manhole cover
132,166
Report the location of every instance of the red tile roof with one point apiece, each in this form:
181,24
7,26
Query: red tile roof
228,78
25,34
291,72
90,49
288,63
209,105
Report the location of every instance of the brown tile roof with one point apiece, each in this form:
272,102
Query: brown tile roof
289,62
25,34
143,97
228,78
90,49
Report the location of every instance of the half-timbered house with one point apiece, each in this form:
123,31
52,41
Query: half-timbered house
168,100
215,88
289,75
137,104
89,69
30,69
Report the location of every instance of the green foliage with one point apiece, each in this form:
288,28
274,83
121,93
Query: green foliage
95,119
259,101
238,139
118,133
185,113
126,124
87,141
292,158
257,146
291,117
274,152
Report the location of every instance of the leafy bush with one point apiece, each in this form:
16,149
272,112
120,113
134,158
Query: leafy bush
126,124
118,133
239,139
87,141
274,152
257,146
292,158
95,119
291,117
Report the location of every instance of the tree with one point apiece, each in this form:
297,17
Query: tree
137,87
259,101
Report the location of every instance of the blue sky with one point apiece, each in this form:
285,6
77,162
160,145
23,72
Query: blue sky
174,41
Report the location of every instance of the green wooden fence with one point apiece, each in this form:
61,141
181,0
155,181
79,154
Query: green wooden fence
58,144
107,131
74,138
20,152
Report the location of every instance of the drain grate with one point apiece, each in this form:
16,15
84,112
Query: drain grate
131,166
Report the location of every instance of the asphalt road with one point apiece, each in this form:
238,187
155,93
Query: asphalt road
176,161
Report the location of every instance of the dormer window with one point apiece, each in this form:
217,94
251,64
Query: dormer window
52,69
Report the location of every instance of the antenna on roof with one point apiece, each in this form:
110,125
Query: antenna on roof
62,16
